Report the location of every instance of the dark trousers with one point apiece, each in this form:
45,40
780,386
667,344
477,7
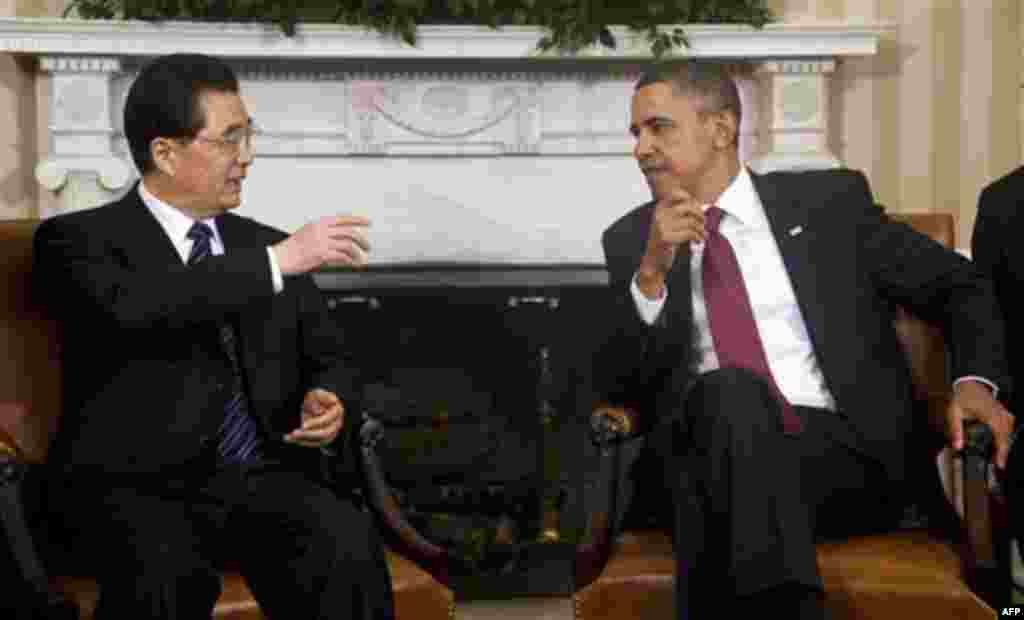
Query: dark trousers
750,501
157,544
1013,483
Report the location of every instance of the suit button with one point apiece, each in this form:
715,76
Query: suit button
204,439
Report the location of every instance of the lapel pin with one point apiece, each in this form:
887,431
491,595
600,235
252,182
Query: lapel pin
796,230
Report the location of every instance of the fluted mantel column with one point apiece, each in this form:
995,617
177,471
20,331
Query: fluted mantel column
82,169
795,106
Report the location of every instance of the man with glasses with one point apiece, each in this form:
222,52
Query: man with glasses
204,384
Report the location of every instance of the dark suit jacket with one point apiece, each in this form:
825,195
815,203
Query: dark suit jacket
996,249
145,379
849,265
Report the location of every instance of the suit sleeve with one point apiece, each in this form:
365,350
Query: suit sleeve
988,250
326,357
940,286
634,360
80,271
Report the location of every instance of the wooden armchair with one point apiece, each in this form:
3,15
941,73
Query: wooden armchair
30,374
946,568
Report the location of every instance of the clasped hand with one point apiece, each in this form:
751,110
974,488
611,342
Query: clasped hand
974,401
323,417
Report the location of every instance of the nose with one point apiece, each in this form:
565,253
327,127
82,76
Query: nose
642,147
246,151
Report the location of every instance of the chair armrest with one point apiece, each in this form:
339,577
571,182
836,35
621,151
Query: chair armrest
986,558
9,448
31,590
611,430
385,506
610,425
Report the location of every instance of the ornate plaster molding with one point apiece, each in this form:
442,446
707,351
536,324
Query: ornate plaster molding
346,93
79,64
112,173
45,36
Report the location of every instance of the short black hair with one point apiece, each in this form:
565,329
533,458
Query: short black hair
711,81
164,100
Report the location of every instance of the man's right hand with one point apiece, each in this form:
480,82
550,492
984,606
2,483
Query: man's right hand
677,219
332,240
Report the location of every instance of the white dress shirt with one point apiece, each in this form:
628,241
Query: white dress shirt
780,323
176,224
786,342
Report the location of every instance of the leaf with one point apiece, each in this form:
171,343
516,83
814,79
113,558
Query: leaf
570,25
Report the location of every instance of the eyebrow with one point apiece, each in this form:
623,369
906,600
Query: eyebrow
648,122
236,126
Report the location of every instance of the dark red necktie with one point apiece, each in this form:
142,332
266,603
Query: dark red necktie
730,317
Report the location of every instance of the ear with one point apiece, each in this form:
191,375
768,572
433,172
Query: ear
164,155
726,129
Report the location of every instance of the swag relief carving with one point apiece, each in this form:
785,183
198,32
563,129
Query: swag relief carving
443,116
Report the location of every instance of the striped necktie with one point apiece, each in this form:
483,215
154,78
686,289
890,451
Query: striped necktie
238,439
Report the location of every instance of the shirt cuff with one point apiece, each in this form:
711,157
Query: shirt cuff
275,272
992,386
649,309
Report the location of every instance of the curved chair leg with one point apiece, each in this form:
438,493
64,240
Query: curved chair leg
31,596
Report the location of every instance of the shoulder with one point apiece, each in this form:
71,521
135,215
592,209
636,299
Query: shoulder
819,190
1010,181
258,231
826,180
1003,193
94,220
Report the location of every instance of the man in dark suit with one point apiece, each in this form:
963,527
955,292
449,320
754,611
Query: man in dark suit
753,315
995,249
204,384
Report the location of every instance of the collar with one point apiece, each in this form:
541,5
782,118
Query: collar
740,200
173,220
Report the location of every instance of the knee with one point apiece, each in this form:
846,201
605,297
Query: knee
730,378
348,535
731,384
148,560
167,584
734,396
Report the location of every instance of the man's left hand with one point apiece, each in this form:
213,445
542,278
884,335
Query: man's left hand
323,416
974,401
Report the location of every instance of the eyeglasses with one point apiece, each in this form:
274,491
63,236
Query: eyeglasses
234,140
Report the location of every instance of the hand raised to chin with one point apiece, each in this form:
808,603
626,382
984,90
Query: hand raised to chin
677,219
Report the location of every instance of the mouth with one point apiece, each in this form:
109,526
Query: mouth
652,172
650,167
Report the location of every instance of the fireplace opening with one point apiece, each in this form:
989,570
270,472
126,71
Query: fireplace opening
475,373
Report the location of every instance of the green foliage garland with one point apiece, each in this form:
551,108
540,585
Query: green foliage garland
571,25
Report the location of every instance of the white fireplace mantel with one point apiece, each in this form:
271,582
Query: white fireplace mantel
119,38
471,146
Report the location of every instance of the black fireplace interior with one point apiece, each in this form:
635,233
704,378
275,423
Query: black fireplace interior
478,375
